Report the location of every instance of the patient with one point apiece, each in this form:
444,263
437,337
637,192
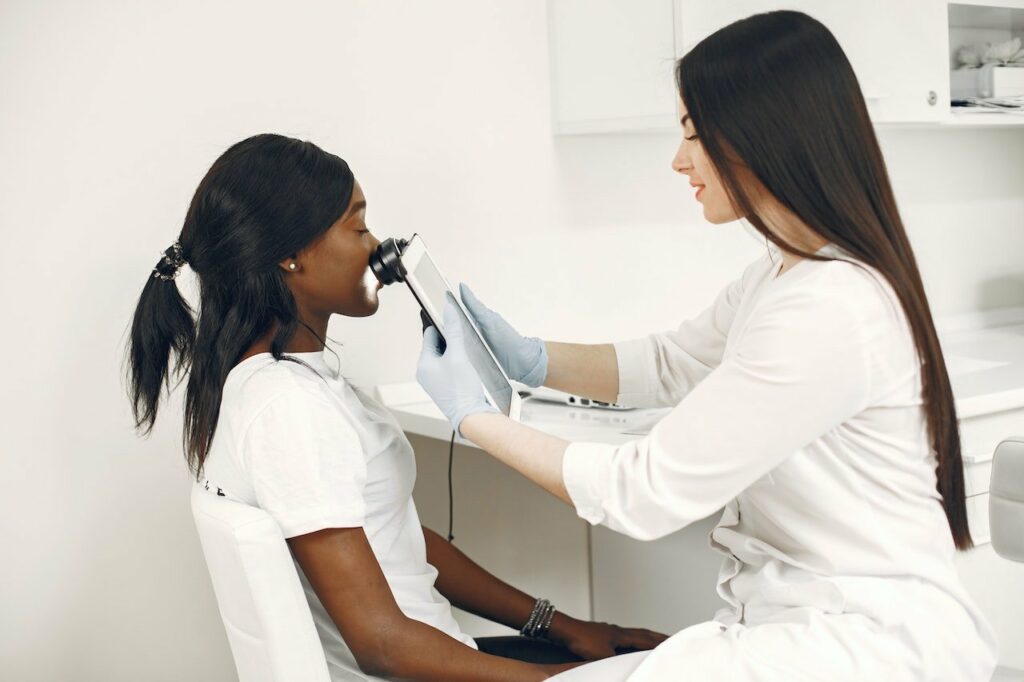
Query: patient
277,237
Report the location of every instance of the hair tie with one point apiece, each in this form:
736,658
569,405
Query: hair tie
170,263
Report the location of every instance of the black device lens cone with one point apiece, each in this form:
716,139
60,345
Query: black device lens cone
386,261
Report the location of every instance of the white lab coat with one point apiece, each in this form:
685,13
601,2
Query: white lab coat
797,408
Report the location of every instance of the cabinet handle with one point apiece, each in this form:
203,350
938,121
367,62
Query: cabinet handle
933,98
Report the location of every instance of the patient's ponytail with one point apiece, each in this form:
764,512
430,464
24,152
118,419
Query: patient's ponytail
162,326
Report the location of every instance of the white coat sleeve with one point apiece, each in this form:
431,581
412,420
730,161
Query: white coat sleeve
659,369
798,371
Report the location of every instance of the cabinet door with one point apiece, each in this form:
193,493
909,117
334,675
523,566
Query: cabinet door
898,49
665,585
994,584
611,65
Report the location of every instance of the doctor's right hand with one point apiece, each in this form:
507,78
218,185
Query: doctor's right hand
447,375
524,359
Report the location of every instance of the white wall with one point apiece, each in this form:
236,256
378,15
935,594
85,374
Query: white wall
110,114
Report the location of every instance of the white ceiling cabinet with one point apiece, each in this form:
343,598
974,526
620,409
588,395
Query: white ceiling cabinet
612,60
898,49
611,65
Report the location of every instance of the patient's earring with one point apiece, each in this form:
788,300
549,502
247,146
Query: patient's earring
291,266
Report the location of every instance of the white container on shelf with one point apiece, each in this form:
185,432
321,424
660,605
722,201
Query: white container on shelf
991,80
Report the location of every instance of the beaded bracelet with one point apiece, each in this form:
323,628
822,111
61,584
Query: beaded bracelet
540,619
542,631
531,623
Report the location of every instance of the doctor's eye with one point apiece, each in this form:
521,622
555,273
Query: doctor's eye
690,137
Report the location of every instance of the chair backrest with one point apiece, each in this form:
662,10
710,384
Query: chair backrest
265,612
1006,499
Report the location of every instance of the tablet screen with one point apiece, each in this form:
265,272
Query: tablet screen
429,279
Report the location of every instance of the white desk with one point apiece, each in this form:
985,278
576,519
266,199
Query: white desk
987,372
416,413
986,367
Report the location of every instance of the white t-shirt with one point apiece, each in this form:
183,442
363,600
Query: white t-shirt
315,453
797,407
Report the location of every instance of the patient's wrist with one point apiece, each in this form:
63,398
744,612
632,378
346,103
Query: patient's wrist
561,628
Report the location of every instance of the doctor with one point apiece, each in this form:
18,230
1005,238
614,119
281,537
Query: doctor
810,400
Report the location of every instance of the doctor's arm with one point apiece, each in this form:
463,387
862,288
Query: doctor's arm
586,370
654,370
799,370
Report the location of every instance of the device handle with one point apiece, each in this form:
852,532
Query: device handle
427,322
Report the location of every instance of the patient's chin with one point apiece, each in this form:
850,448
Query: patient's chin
372,302
365,306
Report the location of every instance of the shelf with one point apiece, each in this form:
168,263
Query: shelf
975,120
990,4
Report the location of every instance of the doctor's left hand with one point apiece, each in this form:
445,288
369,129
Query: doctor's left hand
449,378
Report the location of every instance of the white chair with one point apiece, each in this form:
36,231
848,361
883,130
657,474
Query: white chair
265,612
1006,499
1006,513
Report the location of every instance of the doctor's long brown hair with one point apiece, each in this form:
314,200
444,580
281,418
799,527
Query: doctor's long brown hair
775,93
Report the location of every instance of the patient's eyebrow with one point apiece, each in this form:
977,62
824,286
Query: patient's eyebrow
357,207
684,119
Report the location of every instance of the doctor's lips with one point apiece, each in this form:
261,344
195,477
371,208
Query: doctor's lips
700,188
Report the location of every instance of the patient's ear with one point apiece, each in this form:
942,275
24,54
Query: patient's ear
290,264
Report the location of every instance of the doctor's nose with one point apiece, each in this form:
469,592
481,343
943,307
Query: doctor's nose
681,162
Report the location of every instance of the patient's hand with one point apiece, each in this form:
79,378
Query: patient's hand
591,641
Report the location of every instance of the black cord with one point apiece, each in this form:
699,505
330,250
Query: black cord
451,499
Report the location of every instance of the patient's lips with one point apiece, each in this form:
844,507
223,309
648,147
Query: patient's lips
370,281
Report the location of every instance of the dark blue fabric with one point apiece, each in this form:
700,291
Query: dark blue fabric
526,649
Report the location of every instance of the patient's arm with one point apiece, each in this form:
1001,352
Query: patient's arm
344,572
591,371
471,588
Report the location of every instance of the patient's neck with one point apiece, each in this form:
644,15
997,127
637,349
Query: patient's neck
302,341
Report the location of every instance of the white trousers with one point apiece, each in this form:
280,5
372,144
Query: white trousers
606,670
818,647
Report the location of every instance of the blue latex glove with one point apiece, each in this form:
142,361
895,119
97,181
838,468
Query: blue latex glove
524,359
449,378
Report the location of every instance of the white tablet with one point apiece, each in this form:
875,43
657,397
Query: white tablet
430,288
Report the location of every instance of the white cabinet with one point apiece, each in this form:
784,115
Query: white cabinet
665,585
993,582
995,585
611,65
612,60
897,49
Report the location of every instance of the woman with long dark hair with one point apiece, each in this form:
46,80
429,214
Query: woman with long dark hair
811,400
277,237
